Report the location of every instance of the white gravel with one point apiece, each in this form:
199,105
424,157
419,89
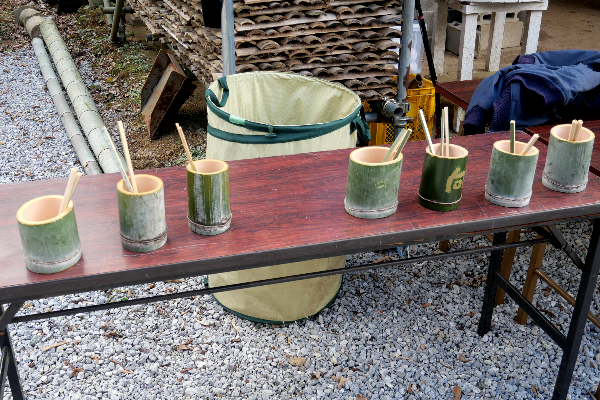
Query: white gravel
403,333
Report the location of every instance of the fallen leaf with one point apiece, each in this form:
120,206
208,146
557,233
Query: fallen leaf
382,259
53,345
26,305
236,340
360,397
457,392
534,390
409,389
125,371
297,361
426,305
206,324
236,328
77,370
116,362
423,347
341,381
174,281
151,286
97,359
111,79
471,314
186,370
462,358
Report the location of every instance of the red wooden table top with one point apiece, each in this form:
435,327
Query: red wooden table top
458,92
284,209
594,126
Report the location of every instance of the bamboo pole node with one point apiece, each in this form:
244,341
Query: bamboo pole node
127,156
185,146
68,191
512,136
530,144
121,168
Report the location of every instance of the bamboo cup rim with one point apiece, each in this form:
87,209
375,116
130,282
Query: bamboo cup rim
453,148
557,132
142,181
519,146
24,213
210,167
374,153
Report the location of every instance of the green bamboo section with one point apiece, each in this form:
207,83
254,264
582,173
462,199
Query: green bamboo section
567,163
50,242
442,178
372,186
208,197
510,177
142,221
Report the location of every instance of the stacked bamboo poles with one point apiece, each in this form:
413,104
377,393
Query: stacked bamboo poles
81,99
345,41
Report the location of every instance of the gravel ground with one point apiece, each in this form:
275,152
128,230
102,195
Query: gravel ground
405,333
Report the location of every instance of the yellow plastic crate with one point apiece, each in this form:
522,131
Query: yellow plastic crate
421,98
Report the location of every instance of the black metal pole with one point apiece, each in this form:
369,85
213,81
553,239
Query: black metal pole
489,297
587,286
432,73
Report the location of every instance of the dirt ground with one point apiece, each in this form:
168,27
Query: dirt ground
567,24
123,68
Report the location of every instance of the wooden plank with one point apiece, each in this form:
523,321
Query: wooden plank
458,92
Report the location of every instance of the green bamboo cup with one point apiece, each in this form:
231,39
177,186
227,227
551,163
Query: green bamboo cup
142,221
442,178
510,176
50,241
567,163
372,186
208,197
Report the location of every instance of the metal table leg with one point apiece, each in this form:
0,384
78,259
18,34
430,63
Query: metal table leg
489,297
585,294
9,369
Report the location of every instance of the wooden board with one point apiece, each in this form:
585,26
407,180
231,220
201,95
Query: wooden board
284,209
458,92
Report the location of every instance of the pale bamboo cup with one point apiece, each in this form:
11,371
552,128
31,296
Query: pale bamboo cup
510,176
372,186
567,162
142,221
49,240
208,197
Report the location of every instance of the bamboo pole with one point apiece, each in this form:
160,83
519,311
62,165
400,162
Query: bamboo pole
127,156
84,154
512,136
81,99
530,144
390,153
185,146
115,153
116,20
577,130
68,191
447,126
426,130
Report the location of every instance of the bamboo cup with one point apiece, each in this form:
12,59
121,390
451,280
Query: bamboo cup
142,221
442,178
49,240
568,162
372,186
208,197
510,176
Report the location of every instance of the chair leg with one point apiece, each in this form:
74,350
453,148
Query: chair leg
507,263
537,256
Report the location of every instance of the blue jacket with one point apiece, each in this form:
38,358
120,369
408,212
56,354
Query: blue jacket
537,88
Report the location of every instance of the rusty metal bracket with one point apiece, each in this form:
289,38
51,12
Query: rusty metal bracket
165,90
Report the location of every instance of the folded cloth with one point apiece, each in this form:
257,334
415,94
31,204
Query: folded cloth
535,89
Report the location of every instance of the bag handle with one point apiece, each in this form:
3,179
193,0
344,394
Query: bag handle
213,97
